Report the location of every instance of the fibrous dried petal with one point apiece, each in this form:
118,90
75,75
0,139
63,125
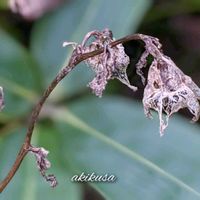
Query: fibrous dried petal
141,64
168,89
43,164
110,64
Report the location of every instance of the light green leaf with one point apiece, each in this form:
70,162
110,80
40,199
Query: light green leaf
71,22
147,166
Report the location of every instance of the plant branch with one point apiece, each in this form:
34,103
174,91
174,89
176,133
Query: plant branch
75,59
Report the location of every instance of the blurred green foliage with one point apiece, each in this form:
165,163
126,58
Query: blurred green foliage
84,133
3,4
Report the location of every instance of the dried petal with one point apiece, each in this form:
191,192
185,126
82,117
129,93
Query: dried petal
43,164
110,64
168,89
1,98
141,64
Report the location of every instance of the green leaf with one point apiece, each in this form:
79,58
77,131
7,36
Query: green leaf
123,142
71,22
28,183
18,74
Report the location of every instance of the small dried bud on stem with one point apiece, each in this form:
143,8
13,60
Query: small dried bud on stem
43,164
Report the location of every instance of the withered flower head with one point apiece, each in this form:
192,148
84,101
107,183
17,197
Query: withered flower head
1,98
110,64
43,164
168,89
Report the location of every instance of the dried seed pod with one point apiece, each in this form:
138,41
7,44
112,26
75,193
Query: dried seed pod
168,89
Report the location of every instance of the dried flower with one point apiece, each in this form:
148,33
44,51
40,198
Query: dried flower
168,89
110,64
1,98
43,164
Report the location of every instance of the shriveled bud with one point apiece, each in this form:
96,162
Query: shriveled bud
43,164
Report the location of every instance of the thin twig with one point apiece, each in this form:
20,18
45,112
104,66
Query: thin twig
74,61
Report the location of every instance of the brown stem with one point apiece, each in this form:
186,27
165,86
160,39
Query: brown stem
74,61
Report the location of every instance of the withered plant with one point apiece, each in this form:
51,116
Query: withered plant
167,88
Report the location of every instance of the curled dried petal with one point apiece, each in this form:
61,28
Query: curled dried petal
43,164
110,64
141,64
168,89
